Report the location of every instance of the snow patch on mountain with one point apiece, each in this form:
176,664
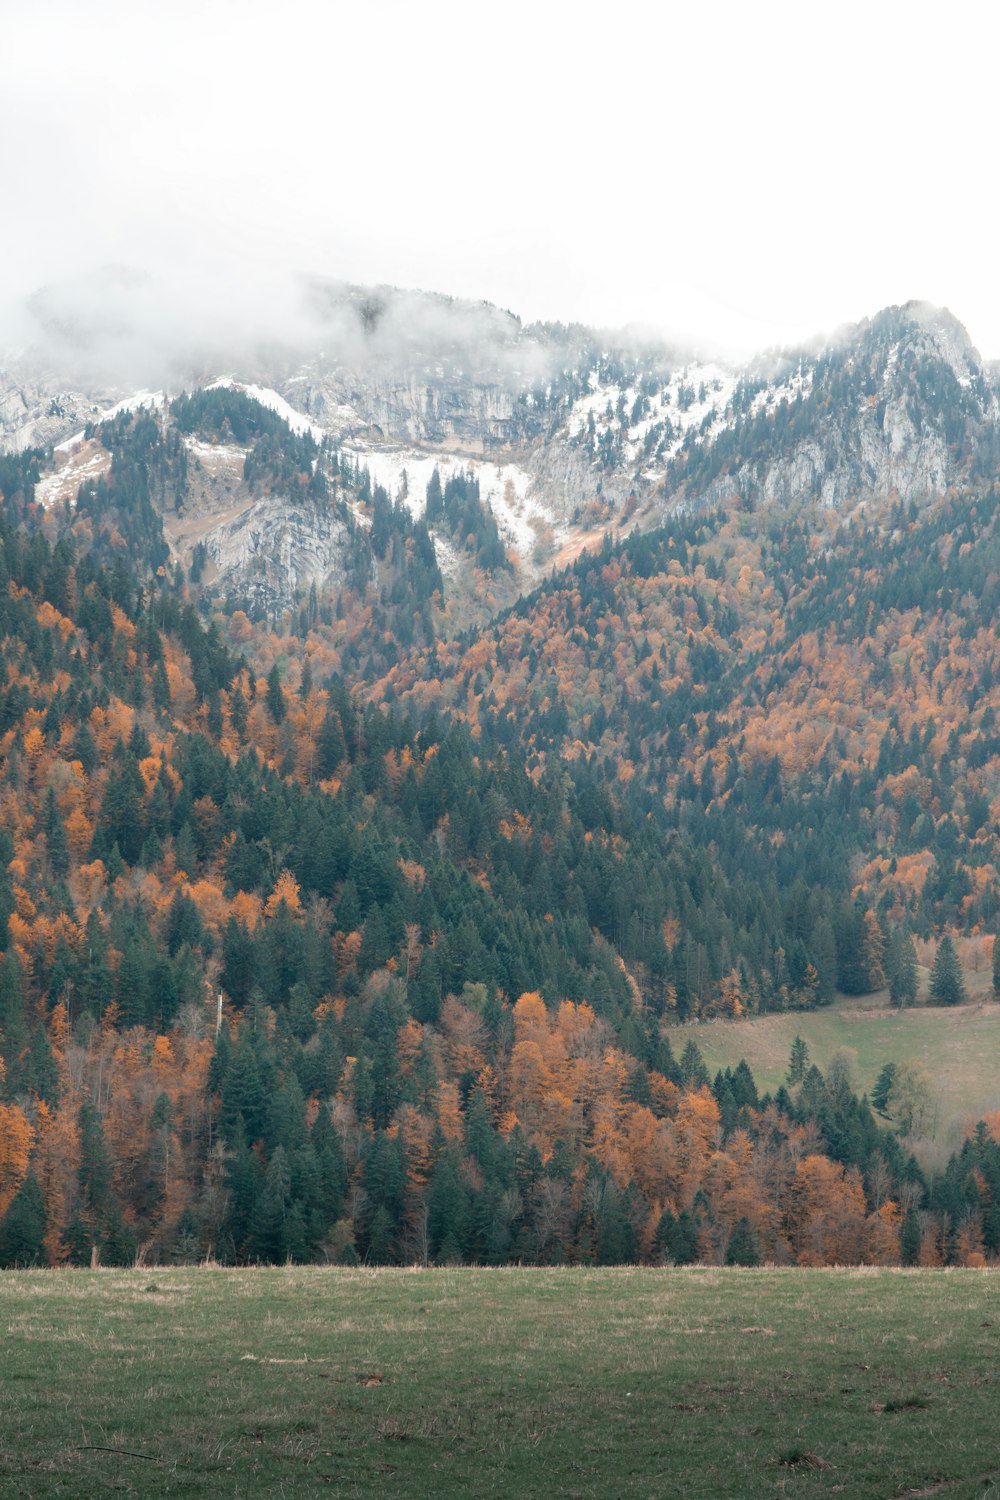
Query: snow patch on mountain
647,419
85,459
138,402
948,337
274,402
507,488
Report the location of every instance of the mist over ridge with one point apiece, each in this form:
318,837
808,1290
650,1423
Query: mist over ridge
123,325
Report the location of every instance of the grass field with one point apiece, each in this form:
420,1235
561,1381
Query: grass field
600,1383
958,1046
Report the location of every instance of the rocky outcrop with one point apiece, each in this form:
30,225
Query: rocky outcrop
901,405
434,408
270,553
38,409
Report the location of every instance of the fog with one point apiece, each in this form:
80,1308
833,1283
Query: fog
123,325
176,182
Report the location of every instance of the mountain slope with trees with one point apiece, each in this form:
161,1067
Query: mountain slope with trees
328,931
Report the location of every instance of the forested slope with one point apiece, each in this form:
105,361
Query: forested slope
288,973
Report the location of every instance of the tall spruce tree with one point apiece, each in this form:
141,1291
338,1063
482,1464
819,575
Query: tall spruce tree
22,1231
797,1062
901,968
947,987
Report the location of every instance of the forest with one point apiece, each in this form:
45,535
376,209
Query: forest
323,943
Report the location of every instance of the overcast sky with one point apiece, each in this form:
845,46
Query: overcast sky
744,174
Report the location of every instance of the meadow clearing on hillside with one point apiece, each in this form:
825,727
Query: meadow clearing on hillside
700,1383
958,1046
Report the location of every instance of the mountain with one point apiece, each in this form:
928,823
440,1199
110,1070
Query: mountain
566,431
404,730
901,405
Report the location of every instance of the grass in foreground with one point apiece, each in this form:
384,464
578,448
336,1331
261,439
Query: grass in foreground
616,1383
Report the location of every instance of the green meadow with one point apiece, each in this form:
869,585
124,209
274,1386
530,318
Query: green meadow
959,1048
697,1383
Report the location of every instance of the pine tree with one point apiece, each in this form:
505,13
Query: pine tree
851,935
95,1168
743,1249
22,1232
271,1209
996,968
947,987
909,1239
901,968
882,1091
55,837
275,697
693,1069
797,1062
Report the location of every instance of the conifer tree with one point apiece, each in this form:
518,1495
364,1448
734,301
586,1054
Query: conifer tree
22,1232
743,1249
882,1091
901,968
797,1062
909,1239
947,987
275,696
693,1069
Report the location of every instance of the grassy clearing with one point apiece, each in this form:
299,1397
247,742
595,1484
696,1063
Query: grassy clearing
626,1383
958,1047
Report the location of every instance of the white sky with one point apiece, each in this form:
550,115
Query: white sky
743,174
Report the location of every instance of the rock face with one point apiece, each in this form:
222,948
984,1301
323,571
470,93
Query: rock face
903,404
37,409
567,431
274,549
433,408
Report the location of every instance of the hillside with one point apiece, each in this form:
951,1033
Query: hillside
810,697
372,906
953,1050
351,894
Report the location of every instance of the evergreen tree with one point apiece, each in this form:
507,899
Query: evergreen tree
947,986
95,1169
853,947
271,1210
901,968
55,837
797,1062
909,1239
743,1248
275,697
693,1069
882,1092
22,1231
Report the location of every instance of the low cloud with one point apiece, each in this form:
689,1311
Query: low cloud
128,327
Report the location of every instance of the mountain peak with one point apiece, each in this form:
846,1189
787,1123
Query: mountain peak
934,330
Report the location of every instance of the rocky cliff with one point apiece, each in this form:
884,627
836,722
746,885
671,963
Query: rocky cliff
566,430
